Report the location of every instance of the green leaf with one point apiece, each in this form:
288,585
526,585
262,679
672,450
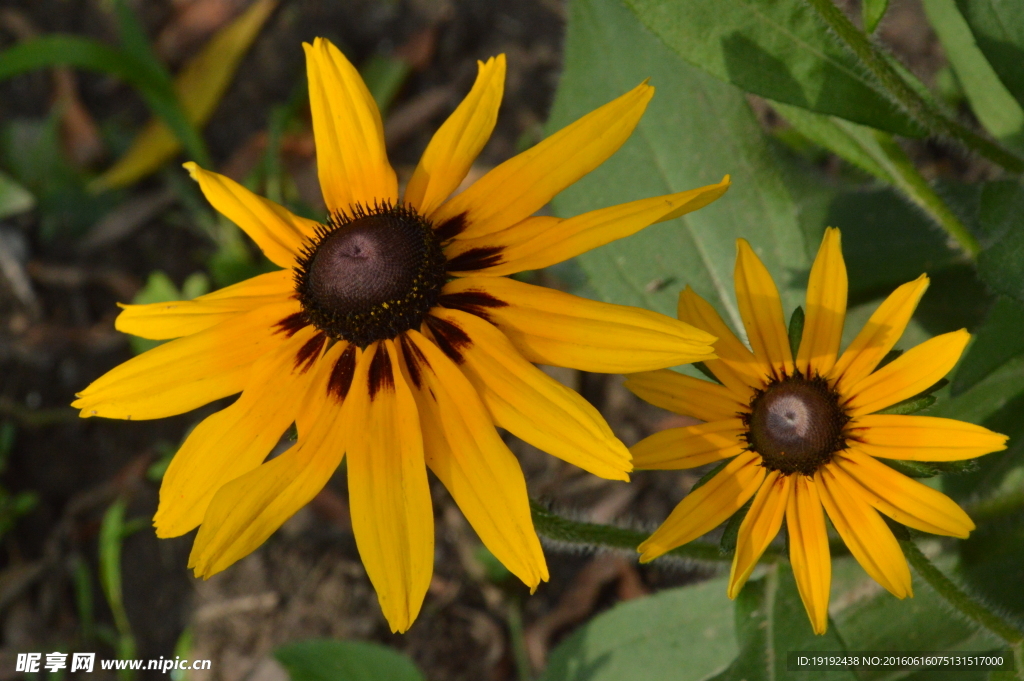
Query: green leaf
1001,215
871,12
796,330
910,405
695,130
929,469
991,102
992,560
887,241
14,198
384,77
879,621
771,623
998,340
878,154
731,532
326,660
995,402
85,53
135,44
683,634
199,85
779,50
110,539
846,140
998,27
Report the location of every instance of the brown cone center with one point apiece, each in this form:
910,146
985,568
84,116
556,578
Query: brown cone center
372,276
796,425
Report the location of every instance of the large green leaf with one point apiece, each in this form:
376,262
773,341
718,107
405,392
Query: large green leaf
771,623
992,558
886,241
681,634
878,621
995,402
780,50
998,26
696,130
1000,339
992,103
1001,215
326,660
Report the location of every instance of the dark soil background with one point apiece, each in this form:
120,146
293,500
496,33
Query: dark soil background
57,305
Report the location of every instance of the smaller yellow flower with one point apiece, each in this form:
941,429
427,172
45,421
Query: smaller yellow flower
804,433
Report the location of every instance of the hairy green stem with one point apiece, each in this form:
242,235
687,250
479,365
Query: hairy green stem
925,113
910,181
555,527
960,599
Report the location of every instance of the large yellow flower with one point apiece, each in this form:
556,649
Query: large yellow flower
805,432
391,336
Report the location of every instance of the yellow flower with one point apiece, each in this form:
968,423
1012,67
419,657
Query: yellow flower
391,337
803,433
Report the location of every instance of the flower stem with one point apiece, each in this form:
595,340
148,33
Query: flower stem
961,600
916,106
558,528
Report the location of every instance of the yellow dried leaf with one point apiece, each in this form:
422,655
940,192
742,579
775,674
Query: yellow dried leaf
200,84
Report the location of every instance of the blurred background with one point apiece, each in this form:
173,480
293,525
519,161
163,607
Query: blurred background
95,210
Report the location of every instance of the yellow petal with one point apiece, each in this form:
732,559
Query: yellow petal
736,366
826,308
866,535
467,455
551,327
759,528
177,318
200,85
539,242
534,407
247,510
685,395
279,233
761,310
912,372
457,143
904,500
808,550
389,496
189,372
235,440
350,156
922,438
706,507
879,335
524,183
689,447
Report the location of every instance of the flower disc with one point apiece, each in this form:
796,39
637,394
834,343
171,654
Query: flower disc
371,276
796,424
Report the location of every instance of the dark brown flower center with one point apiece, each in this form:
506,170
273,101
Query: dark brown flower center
796,424
372,275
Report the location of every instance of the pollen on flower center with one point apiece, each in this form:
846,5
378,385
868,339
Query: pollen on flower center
796,424
371,275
